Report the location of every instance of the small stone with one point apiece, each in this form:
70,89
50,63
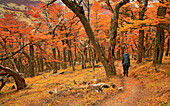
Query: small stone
120,88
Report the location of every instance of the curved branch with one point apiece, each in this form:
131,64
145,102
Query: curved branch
20,82
14,53
108,4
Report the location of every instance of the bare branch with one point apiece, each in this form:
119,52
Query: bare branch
108,4
53,31
14,53
50,3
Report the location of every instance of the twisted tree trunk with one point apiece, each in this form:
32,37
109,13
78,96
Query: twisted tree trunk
19,80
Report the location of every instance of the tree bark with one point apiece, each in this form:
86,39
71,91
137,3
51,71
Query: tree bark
78,10
31,61
20,81
168,48
54,62
141,33
64,57
160,38
113,30
140,46
149,48
59,57
118,57
146,45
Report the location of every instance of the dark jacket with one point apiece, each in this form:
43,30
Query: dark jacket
126,59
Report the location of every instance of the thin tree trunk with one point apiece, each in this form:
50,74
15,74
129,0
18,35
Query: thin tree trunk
149,48
31,61
93,61
140,46
64,57
75,54
41,64
59,57
146,45
118,52
71,59
168,48
54,62
84,58
38,64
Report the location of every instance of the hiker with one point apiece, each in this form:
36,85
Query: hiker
126,63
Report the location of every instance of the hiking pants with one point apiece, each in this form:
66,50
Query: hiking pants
125,70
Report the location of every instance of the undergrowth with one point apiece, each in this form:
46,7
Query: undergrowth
36,92
155,80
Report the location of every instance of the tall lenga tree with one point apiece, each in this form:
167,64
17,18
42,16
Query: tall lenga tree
141,32
113,29
160,36
79,11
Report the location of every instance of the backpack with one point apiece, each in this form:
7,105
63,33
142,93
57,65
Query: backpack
126,58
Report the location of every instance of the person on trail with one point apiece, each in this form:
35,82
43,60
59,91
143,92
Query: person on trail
126,63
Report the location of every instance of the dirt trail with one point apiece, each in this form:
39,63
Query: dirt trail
129,96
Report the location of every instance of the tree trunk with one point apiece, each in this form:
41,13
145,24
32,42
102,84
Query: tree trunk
20,82
75,55
140,46
83,63
90,56
149,49
92,59
118,52
159,46
113,30
141,33
64,57
118,55
59,57
78,10
41,64
122,45
54,62
31,61
160,38
168,48
146,45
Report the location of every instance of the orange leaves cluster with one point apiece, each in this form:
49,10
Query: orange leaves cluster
96,8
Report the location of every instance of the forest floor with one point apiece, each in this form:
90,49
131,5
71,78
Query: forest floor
129,95
147,85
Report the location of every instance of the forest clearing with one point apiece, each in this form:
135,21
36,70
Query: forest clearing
85,52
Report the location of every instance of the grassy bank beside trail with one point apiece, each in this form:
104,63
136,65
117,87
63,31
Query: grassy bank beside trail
37,92
156,82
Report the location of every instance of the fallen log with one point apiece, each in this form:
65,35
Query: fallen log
96,87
